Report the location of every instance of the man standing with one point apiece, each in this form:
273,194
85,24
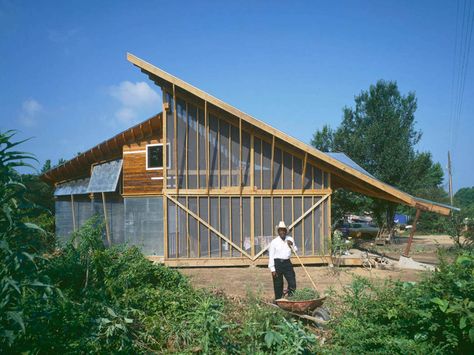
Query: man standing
279,261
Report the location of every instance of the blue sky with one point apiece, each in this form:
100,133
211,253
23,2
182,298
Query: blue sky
66,82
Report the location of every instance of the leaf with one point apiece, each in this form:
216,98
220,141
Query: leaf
269,339
128,320
17,318
443,304
462,322
471,334
111,312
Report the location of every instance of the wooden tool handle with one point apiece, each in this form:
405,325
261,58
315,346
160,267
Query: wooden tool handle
304,268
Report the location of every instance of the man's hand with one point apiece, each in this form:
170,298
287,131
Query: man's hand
290,243
274,274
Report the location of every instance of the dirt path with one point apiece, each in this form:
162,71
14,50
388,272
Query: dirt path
238,281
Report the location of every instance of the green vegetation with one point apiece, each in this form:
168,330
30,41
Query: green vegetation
304,294
434,316
85,298
379,134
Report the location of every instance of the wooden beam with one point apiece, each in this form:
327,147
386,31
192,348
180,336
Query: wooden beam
175,142
207,224
406,253
292,225
305,162
206,124
106,220
271,166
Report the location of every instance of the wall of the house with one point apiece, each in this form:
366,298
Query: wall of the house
237,180
86,206
137,180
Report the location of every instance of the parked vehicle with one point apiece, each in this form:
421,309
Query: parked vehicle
358,230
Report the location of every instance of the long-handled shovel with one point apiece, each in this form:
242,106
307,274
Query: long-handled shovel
304,268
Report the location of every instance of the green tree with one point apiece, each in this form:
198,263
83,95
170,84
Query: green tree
379,134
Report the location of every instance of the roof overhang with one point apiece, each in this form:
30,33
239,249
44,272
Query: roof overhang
343,175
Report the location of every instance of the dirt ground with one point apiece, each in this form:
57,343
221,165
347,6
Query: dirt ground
238,281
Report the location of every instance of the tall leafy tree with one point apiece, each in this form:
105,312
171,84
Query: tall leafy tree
379,134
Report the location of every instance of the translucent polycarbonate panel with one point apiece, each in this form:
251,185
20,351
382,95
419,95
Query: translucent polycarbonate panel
277,169
84,209
287,214
144,224
257,143
308,177
326,181
245,159
203,230
171,171
214,221
287,170
74,187
181,142
224,209
224,140
115,215
297,172
172,227
193,227
327,227
277,215
192,148
235,156
202,150
298,230
246,224
317,229
63,220
267,216
213,152
266,168
317,178
105,176
308,227
182,230
258,223
236,222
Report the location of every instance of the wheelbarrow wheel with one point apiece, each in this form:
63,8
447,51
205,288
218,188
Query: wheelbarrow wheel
322,313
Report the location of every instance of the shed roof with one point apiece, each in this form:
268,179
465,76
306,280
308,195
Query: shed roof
345,172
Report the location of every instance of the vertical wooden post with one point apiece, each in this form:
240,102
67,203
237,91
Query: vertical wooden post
206,124
186,143
271,166
252,162
305,162
240,156
106,220
406,253
165,177
74,226
252,226
175,143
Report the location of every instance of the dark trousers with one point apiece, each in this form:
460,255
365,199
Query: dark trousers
284,267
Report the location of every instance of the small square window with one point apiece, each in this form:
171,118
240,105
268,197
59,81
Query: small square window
154,156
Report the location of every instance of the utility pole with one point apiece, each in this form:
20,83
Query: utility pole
450,179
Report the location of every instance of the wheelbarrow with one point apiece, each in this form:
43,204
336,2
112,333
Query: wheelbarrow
311,310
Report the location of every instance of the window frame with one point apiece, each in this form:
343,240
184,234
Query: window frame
167,153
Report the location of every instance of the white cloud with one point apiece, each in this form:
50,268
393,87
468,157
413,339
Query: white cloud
134,99
135,94
29,112
126,115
